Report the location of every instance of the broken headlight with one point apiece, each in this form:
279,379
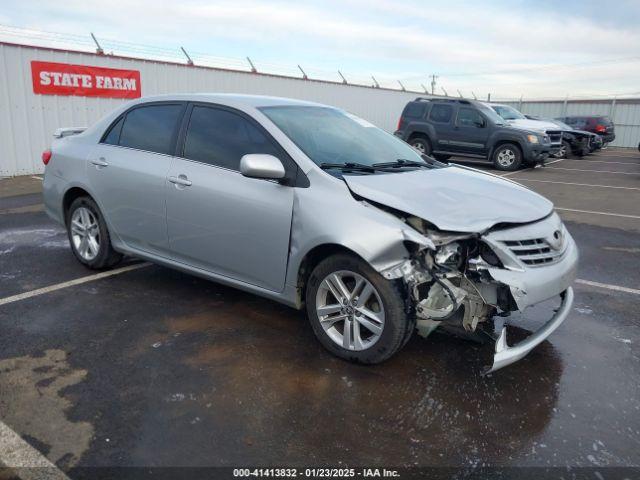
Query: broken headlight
489,256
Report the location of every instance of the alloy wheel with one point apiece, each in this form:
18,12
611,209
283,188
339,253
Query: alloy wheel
506,157
85,233
350,310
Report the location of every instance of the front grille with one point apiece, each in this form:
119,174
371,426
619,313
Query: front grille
533,252
555,137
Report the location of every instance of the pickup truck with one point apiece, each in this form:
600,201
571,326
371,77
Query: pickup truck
442,128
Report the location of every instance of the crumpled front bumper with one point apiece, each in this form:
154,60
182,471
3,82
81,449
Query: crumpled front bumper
506,355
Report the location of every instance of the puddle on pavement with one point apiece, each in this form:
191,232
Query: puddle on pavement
264,380
32,403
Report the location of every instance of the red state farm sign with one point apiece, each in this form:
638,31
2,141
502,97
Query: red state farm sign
85,81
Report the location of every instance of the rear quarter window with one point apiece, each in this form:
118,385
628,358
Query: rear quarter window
414,110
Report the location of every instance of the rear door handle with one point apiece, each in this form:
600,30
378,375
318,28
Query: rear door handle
181,180
100,162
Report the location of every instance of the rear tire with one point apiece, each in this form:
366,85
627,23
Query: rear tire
507,157
335,306
421,144
89,236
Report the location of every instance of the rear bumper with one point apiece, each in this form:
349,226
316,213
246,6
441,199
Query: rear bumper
505,355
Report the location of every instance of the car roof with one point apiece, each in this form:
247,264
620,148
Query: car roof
427,100
231,99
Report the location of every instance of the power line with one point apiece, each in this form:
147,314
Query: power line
531,69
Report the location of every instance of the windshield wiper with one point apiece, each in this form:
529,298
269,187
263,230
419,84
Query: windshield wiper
401,162
352,166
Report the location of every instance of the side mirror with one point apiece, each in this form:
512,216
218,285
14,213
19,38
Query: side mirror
261,165
480,123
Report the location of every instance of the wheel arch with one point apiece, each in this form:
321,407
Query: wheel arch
502,141
70,195
312,258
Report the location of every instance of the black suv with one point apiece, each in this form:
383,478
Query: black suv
445,127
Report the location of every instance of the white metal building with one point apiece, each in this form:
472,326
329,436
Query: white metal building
28,120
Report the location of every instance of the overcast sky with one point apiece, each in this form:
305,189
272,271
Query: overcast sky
509,48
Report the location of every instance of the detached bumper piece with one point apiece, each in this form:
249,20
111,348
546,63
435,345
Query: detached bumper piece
506,355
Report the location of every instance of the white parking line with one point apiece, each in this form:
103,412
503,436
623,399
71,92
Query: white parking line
608,286
571,183
71,283
528,169
594,171
16,454
36,177
617,156
603,161
596,213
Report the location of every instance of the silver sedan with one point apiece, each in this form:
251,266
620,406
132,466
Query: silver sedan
314,207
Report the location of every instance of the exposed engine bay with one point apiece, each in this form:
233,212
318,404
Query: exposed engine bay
467,283
450,283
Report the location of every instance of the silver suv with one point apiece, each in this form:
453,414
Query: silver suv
313,207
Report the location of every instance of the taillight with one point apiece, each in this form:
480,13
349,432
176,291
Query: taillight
601,128
399,123
46,156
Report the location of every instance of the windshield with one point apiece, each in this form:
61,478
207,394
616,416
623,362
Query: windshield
508,113
331,136
491,114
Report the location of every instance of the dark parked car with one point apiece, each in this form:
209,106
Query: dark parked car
576,142
468,128
600,124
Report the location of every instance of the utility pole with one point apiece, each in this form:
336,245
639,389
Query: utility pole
433,84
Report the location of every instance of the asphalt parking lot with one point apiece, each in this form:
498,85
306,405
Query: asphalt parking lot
152,367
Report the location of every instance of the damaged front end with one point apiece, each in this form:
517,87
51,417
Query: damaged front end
469,284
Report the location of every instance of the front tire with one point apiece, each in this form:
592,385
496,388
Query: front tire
89,236
507,157
356,313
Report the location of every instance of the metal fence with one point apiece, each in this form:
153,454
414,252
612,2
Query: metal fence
27,120
625,114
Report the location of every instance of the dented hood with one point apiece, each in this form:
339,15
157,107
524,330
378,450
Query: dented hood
535,125
453,198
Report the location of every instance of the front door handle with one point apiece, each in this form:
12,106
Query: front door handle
181,180
100,162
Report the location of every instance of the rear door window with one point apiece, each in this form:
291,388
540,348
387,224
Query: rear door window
441,113
152,128
221,138
468,117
